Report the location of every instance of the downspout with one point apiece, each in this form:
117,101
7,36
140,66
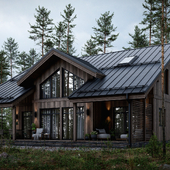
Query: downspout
129,111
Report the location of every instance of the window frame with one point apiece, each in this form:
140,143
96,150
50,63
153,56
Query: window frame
50,79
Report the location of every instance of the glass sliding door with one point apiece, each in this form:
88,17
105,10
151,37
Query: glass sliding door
80,122
55,124
50,122
45,120
27,121
68,123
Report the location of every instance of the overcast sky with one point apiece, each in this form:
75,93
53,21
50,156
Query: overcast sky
15,16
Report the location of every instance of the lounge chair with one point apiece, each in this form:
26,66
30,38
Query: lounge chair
38,134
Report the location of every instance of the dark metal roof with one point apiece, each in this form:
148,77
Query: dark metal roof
134,78
10,91
83,63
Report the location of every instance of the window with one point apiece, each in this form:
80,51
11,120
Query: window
166,81
51,87
68,123
50,122
127,60
161,117
70,83
80,122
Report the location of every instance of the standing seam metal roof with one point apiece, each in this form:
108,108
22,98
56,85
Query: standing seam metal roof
134,78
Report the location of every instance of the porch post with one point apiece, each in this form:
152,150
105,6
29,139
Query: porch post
144,120
129,111
74,122
61,124
14,122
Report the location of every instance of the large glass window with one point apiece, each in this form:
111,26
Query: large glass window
70,83
50,122
68,123
51,87
80,122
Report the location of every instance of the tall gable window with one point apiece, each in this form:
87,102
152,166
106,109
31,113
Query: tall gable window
51,87
70,83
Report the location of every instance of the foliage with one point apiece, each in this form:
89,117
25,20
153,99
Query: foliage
90,48
93,133
58,37
154,146
87,135
48,45
11,50
112,132
33,125
4,66
139,39
104,32
67,45
34,57
42,28
23,61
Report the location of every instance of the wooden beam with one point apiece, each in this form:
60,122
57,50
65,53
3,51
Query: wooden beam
74,122
3,105
14,122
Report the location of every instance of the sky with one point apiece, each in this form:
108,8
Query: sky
15,16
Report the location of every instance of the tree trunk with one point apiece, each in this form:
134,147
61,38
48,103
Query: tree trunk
165,24
104,43
163,112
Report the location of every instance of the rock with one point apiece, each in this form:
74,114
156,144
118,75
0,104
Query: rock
4,155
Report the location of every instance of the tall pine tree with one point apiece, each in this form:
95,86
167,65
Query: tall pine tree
149,19
42,29
139,39
34,57
104,32
11,49
90,48
69,17
23,61
58,37
4,67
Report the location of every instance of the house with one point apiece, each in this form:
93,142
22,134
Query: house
70,96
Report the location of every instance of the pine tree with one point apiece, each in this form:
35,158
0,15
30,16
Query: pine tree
90,48
4,66
149,19
11,49
34,57
104,33
139,39
23,61
42,28
48,44
68,17
58,37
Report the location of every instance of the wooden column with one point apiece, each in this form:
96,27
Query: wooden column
74,122
130,123
14,122
61,124
61,79
144,120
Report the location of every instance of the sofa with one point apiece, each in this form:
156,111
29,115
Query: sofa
102,134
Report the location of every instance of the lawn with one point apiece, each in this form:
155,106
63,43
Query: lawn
83,158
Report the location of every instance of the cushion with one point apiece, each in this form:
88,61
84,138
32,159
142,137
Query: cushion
124,136
101,131
103,136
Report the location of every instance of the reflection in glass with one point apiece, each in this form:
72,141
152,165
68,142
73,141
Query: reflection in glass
68,123
51,87
80,122
55,124
71,83
27,121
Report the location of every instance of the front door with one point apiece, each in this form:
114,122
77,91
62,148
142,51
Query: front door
27,121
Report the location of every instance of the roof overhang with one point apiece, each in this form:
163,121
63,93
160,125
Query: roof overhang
107,98
45,62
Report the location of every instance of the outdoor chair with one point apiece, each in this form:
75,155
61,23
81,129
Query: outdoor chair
38,134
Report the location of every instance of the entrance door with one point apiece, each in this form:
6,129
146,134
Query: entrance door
27,121
121,120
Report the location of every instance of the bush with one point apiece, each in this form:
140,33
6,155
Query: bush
154,146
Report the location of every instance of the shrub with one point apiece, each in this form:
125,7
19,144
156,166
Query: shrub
154,146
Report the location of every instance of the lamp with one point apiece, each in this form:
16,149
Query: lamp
16,116
88,112
35,114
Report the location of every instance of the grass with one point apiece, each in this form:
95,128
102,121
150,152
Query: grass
137,158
